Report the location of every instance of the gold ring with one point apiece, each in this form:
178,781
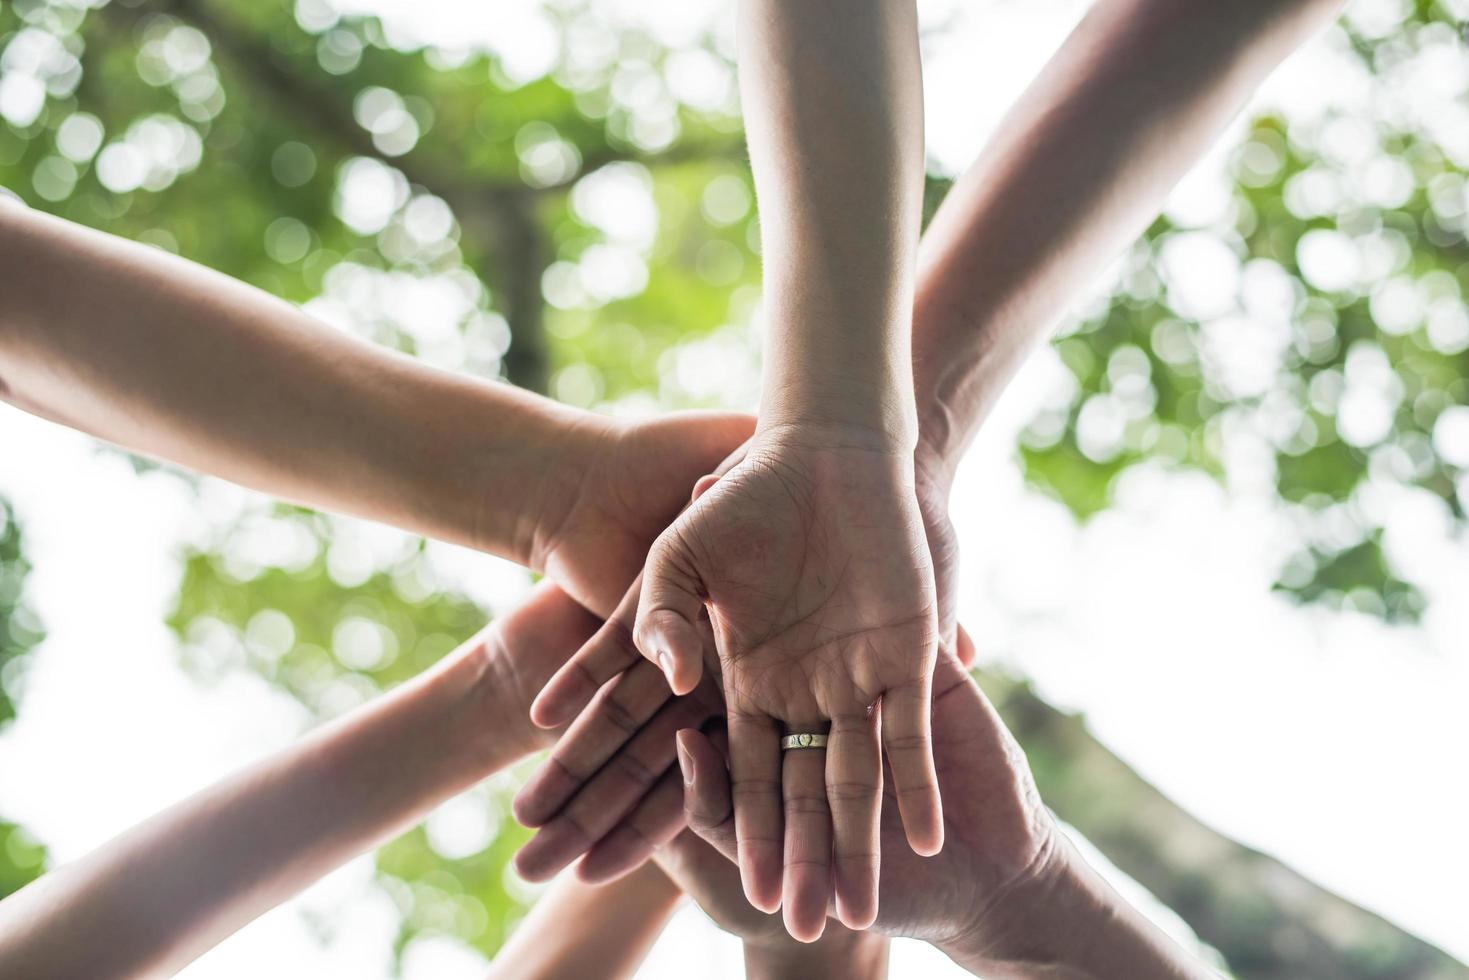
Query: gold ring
805,740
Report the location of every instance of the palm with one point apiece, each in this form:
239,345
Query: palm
817,581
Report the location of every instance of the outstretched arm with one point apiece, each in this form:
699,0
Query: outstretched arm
809,553
1078,169
170,359
164,892
582,930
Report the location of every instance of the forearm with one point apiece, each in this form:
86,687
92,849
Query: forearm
1066,923
172,360
150,901
581,930
1077,170
839,953
834,117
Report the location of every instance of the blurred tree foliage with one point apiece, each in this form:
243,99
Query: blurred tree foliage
584,225
21,858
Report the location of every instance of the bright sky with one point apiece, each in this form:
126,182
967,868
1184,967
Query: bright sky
1324,739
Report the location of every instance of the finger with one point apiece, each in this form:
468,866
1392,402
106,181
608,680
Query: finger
854,788
657,819
713,882
668,614
909,745
614,718
965,647
609,652
614,796
702,486
707,804
755,780
807,884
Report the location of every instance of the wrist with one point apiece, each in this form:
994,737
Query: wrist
874,405
561,445
1058,920
491,713
839,952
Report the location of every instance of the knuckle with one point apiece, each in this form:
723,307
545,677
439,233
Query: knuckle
851,792
620,639
750,788
617,715
634,769
924,790
802,804
908,743
561,759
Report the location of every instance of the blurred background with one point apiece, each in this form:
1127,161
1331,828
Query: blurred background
1215,549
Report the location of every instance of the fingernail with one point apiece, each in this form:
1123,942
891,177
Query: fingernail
666,662
685,762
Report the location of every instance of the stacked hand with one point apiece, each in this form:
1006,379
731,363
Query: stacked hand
813,565
1001,842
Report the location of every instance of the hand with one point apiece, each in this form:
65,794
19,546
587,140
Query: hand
520,651
999,835
837,622
1009,891
713,882
593,536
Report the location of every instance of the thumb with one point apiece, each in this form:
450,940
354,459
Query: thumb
666,631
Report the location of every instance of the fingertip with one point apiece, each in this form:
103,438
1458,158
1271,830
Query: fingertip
599,869
526,867
965,646
927,837
522,810
857,916
702,486
763,895
803,932
685,674
546,712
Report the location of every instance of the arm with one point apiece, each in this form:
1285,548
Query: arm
808,555
1065,921
1130,101
168,358
1078,169
580,930
155,898
171,359
834,118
